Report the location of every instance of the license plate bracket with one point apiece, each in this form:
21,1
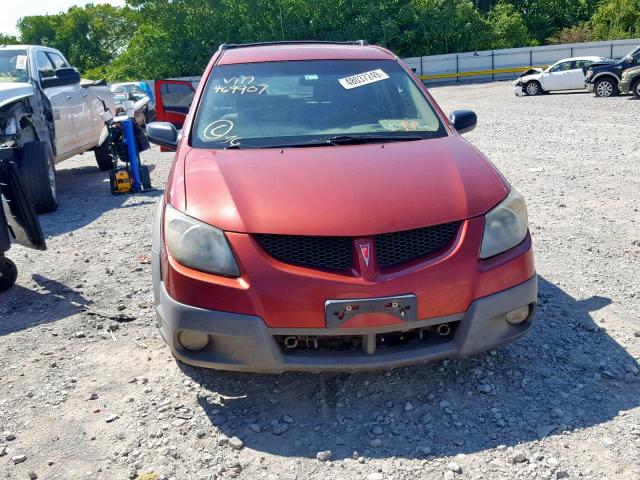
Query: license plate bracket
403,307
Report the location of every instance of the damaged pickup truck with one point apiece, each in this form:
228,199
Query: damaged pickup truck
46,116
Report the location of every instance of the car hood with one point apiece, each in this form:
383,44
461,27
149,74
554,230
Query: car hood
12,91
522,79
354,190
531,72
602,63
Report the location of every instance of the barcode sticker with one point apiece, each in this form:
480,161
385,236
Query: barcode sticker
21,62
363,79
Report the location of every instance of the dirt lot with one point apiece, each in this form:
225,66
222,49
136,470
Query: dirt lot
88,390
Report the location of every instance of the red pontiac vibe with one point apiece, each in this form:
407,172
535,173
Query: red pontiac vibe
322,213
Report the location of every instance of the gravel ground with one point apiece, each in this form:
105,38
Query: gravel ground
89,391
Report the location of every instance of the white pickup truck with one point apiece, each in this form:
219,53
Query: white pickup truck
46,116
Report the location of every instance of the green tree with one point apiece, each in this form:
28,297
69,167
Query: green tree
617,19
91,37
545,18
577,34
8,39
508,27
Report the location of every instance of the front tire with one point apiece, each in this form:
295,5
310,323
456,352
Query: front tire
104,159
533,88
635,89
8,274
38,172
606,87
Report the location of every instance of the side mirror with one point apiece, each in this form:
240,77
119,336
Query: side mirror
463,120
63,76
163,134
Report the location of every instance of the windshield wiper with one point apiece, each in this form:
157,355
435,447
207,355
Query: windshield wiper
337,140
358,139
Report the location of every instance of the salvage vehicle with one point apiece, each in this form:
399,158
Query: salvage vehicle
630,82
323,213
134,91
49,116
567,74
603,78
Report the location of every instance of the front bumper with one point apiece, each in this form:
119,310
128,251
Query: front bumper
624,86
244,342
518,90
590,87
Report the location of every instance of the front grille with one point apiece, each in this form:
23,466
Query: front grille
395,248
330,253
335,253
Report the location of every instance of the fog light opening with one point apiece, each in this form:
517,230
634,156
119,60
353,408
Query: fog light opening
193,341
518,315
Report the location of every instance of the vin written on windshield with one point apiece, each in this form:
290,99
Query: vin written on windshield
310,103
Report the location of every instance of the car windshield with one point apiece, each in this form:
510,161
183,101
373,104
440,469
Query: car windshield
634,53
306,102
13,66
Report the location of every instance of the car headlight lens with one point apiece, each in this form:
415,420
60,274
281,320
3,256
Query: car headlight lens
197,245
505,226
589,73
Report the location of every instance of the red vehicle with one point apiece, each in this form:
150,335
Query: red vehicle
322,213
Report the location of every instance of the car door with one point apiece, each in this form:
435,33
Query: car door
85,119
577,73
66,104
558,77
173,99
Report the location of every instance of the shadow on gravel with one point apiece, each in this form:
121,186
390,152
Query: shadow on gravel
52,302
567,374
84,194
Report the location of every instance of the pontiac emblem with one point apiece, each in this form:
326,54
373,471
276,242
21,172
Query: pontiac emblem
364,249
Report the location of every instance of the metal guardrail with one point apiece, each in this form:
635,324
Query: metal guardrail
479,73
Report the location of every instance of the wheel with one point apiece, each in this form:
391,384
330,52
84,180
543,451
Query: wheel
38,172
606,87
533,88
635,89
104,157
8,274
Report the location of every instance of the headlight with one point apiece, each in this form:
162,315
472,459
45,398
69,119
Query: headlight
197,245
505,226
589,73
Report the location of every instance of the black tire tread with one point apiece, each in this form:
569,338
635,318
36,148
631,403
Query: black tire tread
34,170
103,157
540,91
8,274
635,86
613,81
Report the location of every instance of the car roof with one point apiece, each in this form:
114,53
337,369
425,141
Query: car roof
594,58
277,52
24,47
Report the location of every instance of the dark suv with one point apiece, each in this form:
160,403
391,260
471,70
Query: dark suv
603,77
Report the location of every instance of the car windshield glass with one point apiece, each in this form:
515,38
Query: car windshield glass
292,102
13,66
629,56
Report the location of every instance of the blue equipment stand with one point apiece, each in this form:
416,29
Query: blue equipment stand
132,151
